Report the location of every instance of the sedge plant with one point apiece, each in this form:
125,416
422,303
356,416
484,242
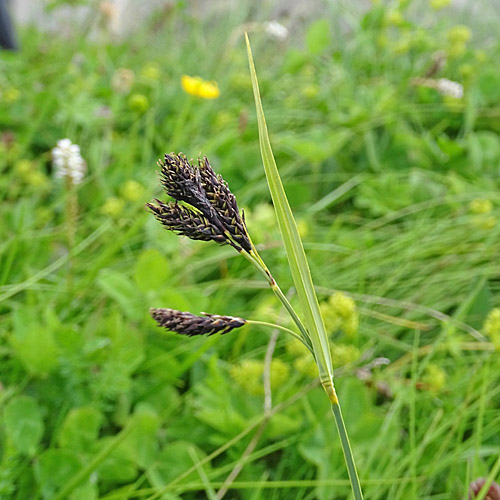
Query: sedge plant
205,209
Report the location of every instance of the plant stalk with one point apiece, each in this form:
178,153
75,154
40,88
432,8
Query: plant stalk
346,448
279,327
259,264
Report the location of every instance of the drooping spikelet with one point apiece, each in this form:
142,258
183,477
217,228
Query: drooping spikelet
186,222
220,197
182,182
189,324
213,213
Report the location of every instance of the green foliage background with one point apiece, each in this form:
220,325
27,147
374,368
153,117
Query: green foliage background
395,188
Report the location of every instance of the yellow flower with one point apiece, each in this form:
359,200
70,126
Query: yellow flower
194,85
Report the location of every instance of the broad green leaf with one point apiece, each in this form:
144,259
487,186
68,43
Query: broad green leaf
24,423
293,244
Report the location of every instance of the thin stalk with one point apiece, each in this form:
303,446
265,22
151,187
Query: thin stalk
281,296
279,293
279,327
346,448
71,214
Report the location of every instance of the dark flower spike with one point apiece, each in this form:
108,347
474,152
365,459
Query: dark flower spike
189,324
182,182
218,219
224,202
186,222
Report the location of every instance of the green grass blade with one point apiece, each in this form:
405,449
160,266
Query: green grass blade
293,244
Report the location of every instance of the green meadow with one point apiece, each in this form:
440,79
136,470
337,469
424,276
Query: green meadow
385,127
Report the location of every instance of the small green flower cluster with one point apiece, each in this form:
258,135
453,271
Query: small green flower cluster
434,378
339,313
342,354
248,374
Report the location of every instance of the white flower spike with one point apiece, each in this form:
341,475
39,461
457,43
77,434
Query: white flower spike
276,30
68,161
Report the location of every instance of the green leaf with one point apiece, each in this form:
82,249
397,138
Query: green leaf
141,446
293,244
318,36
54,468
33,343
117,466
80,429
151,270
24,424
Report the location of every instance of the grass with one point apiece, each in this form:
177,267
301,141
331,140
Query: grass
384,179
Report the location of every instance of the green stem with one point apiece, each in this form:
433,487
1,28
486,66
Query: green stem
281,296
346,448
255,259
279,327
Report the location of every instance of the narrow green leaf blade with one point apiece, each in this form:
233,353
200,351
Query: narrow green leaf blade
293,244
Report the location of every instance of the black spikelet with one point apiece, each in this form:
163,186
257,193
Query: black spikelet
189,324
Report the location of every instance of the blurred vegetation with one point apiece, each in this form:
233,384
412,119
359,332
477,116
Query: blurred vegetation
395,187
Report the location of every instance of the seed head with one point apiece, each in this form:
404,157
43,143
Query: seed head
213,213
189,324
185,221
224,202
